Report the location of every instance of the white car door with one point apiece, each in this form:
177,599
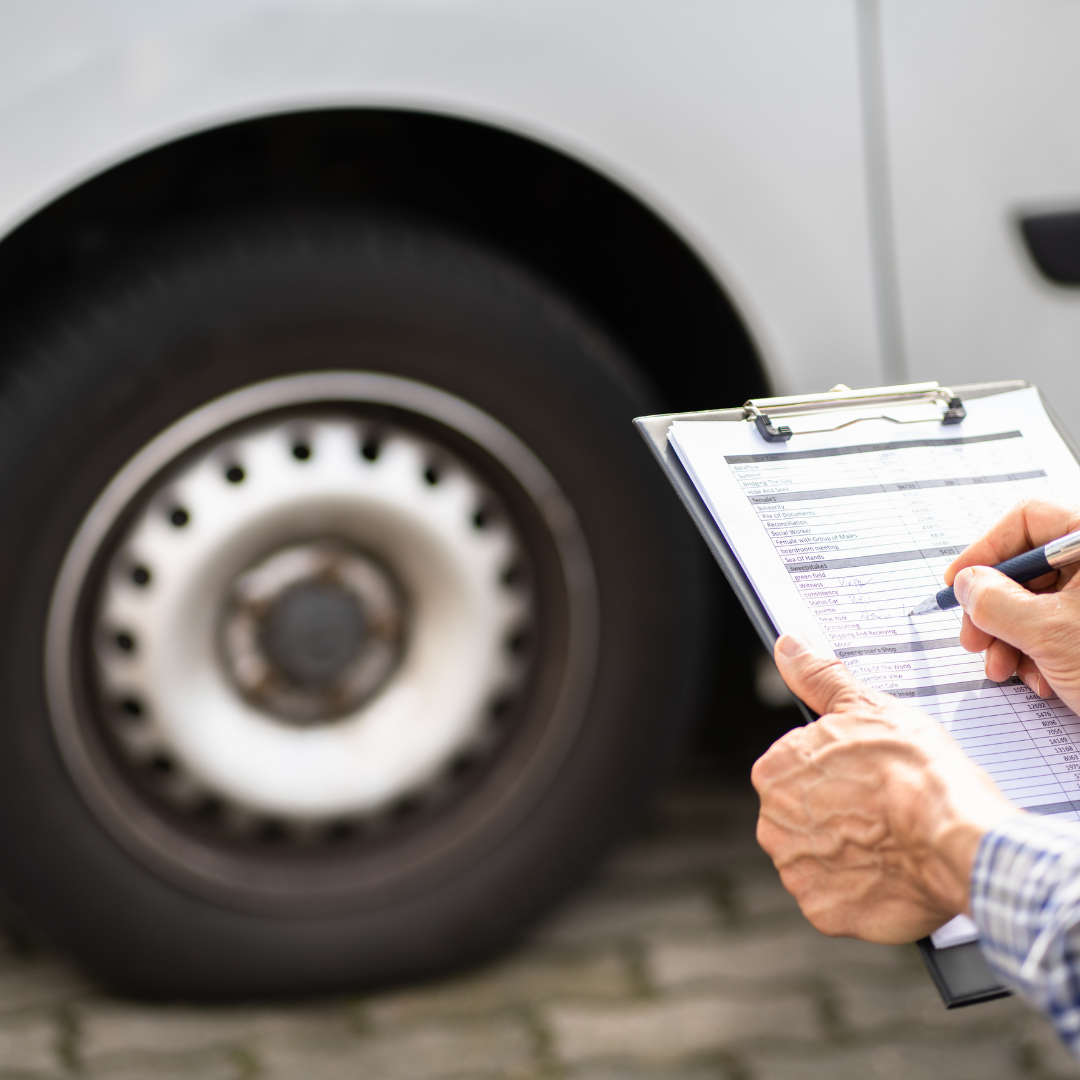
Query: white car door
982,100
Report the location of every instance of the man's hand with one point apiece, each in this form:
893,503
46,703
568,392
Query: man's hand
1032,630
872,814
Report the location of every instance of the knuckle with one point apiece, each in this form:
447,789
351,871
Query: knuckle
766,834
830,675
760,772
828,668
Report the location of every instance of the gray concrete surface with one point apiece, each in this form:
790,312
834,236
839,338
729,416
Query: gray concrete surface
682,960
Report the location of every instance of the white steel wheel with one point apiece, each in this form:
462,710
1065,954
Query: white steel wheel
310,618
337,675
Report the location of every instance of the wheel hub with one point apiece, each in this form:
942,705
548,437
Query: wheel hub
313,631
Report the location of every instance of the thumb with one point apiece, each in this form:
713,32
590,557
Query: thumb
821,681
999,606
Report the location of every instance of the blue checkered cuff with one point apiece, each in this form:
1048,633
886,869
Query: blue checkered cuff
1025,899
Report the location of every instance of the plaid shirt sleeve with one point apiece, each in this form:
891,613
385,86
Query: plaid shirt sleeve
1025,899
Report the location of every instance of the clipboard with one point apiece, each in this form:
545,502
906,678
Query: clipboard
960,972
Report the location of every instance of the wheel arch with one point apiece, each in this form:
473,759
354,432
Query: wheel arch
601,245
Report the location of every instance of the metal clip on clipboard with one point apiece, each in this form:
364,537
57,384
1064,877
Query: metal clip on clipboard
876,404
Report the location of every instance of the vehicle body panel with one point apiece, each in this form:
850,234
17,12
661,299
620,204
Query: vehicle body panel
981,99
737,124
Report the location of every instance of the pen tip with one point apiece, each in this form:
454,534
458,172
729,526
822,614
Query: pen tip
929,604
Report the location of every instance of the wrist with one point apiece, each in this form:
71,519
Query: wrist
954,808
955,847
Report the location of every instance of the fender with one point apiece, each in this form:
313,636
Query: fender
736,124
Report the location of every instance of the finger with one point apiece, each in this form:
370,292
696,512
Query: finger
1027,525
972,638
1001,660
1068,577
999,606
822,682
1046,583
1033,678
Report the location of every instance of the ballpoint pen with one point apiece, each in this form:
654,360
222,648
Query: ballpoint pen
1026,567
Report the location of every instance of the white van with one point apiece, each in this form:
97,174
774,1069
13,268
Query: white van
344,618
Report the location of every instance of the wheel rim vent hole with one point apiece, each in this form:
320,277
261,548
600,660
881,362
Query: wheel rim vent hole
405,808
301,451
432,475
125,642
462,765
518,642
273,832
235,474
161,765
369,449
141,576
513,576
340,831
132,707
179,517
500,708
481,518
210,809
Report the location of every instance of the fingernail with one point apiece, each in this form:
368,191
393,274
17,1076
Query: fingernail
1032,680
793,644
961,584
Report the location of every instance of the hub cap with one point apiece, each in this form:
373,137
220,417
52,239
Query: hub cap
313,631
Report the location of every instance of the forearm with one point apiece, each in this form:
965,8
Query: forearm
1025,899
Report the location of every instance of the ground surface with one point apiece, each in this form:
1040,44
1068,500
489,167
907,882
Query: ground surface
682,960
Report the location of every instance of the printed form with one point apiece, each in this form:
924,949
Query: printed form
842,533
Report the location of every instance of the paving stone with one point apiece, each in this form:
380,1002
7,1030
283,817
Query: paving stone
675,1028
632,1072
496,1048
520,981
29,1044
796,953
892,1061
600,918
112,1028
870,1007
761,893
1044,1052
187,1067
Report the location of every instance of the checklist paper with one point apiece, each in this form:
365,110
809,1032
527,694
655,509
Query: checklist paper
842,533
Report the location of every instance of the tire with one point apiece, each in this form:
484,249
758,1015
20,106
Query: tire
168,854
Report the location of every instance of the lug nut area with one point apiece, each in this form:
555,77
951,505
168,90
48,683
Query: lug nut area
313,631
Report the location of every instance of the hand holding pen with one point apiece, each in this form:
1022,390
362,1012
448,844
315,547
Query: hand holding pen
1036,563
1033,632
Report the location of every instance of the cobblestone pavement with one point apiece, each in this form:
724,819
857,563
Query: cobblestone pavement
682,960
